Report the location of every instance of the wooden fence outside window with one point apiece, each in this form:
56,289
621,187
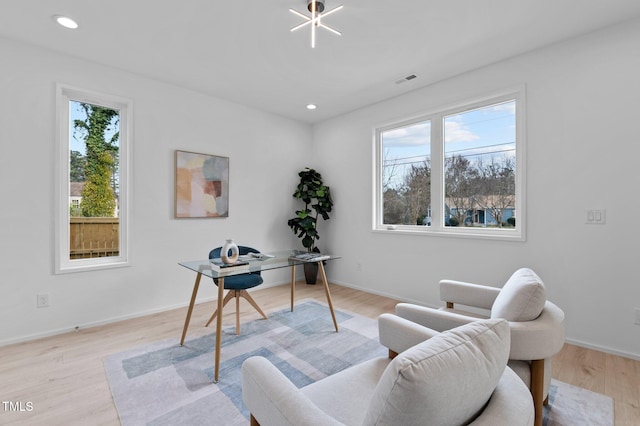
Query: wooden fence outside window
92,237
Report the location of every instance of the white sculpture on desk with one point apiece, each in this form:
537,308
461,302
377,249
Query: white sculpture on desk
229,246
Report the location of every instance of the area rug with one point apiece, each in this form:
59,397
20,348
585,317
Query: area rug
571,405
166,384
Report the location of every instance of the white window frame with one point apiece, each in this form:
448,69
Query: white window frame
65,94
436,118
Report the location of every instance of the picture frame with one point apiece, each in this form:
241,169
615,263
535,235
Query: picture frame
201,185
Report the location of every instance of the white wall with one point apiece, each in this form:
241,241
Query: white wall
583,109
583,101
266,152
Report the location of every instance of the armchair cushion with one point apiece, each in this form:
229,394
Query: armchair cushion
447,379
522,298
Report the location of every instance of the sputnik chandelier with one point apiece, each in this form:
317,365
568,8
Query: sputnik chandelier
316,7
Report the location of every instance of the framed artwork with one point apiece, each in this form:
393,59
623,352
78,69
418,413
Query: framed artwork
201,185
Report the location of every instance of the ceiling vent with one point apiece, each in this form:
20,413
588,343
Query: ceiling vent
405,79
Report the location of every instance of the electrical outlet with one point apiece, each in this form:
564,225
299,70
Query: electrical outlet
637,320
43,300
358,266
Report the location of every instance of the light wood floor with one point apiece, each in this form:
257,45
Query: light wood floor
63,378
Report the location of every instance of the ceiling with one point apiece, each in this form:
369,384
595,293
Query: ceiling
243,51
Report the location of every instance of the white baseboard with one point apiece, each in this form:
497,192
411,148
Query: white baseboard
568,340
64,330
381,293
50,333
139,314
604,349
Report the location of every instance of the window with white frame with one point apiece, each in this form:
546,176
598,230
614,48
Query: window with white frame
92,180
458,171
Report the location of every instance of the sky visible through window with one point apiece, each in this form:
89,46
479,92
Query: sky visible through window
402,148
487,132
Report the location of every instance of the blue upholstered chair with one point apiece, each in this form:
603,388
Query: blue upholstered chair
238,285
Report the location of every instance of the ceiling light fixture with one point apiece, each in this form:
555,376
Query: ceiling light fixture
66,22
311,106
316,7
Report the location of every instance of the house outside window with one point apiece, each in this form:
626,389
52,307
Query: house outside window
458,171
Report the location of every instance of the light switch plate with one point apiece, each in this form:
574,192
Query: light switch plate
596,216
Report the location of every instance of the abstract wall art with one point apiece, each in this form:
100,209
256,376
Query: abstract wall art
201,185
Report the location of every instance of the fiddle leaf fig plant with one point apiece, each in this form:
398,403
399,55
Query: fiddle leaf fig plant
316,197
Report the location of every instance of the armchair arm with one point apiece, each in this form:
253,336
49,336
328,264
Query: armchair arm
476,295
434,319
399,334
273,400
540,338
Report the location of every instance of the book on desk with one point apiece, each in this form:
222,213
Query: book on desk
218,265
243,262
310,257
256,256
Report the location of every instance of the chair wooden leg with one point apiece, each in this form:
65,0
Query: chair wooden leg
537,388
253,421
248,298
237,294
224,303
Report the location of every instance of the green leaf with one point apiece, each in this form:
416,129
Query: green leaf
307,242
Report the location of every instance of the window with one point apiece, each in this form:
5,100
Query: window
91,181
458,171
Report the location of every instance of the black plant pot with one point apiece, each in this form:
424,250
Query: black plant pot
311,272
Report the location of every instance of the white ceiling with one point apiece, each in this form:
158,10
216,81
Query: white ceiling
243,51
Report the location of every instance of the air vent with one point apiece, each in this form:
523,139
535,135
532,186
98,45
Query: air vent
407,78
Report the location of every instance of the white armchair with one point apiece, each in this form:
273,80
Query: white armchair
451,378
536,324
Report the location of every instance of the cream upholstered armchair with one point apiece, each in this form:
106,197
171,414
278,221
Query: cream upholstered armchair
452,378
536,324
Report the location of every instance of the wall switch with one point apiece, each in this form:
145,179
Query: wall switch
43,300
596,216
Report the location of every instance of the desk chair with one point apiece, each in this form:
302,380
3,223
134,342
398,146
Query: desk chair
238,285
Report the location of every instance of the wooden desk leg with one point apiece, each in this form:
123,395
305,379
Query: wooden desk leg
293,285
193,302
218,329
326,290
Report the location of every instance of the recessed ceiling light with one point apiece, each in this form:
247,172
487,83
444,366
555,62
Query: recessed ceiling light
66,22
312,106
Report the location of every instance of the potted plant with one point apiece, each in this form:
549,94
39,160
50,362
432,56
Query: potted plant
316,197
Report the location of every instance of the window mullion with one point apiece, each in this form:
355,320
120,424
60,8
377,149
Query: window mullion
437,173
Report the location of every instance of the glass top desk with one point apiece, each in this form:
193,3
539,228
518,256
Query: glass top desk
280,259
